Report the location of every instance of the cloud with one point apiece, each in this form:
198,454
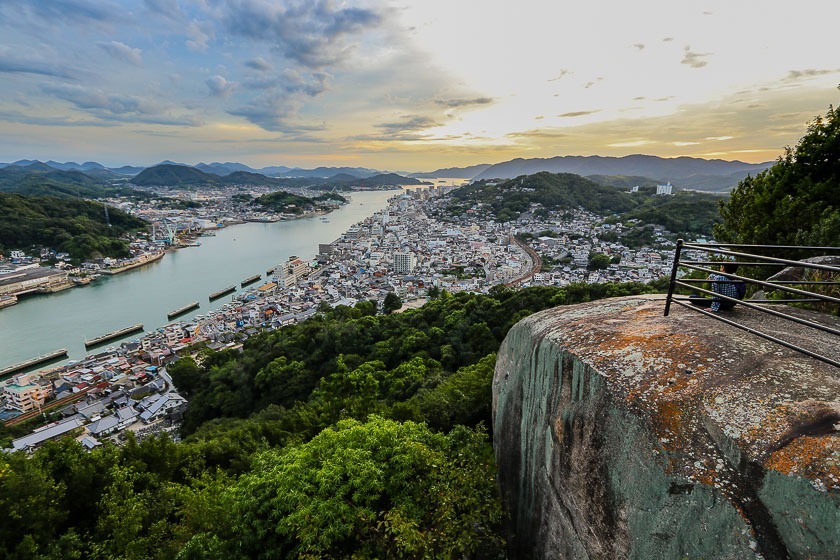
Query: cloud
588,85
464,102
123,52
219,86
22,118
63,11
284,96
309,32
639,46
168,8
538,134
578,113
694,59
411,123
121,107
198,36
563,72
26,61
795,75
259,63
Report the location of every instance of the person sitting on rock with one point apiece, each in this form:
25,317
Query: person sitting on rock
722,285
726,286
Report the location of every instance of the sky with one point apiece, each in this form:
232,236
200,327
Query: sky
410,85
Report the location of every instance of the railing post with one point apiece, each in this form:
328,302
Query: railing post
673,283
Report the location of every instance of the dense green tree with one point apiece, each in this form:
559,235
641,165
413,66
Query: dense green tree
381,489
391,303
598,261
794,202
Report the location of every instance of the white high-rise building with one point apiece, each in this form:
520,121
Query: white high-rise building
665,189
404,262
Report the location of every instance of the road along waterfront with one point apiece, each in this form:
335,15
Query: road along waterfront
40,324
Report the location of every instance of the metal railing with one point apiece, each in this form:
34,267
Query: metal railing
797,291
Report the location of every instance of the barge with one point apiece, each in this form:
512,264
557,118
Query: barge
222,293
114,334
182,310
37,360
251,280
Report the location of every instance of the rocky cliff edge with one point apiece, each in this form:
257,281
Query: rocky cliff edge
620,433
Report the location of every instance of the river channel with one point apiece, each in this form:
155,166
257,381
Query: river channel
44,323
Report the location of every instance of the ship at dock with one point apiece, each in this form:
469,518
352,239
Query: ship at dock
113,335
181,310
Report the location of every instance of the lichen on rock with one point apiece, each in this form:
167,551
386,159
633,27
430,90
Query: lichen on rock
621,433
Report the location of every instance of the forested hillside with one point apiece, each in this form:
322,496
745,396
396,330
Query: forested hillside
350,435
40,179
686,213
75,226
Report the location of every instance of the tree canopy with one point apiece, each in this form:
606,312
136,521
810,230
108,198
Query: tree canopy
794,202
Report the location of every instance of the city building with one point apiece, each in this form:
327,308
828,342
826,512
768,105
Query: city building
404,263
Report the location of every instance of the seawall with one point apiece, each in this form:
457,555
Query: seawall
620,433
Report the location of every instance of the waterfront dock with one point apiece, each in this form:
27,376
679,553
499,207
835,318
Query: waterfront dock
182,310
251,280
222,293
141,260
37,360
113,335
8,301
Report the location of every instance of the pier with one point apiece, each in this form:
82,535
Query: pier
37,360
114,334
221,293
182,310
251,280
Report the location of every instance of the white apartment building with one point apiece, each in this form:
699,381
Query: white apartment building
404,263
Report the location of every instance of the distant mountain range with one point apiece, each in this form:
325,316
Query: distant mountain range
454,172
682,172
175,175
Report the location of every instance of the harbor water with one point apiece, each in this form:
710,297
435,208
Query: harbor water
43,323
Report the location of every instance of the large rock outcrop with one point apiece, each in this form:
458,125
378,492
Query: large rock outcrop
621,433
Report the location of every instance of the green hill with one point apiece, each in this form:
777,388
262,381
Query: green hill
74,226
550,191
247,178
686,213
282,201
170,175
42,180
